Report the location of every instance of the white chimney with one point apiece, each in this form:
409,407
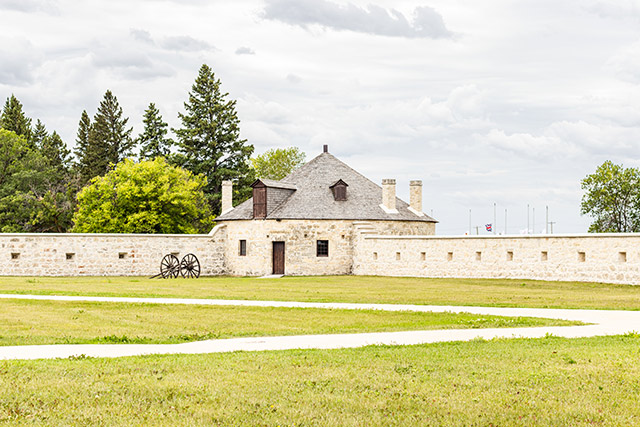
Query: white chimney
227,197
415,197
389,196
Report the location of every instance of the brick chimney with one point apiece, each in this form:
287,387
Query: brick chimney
227,196
415,196
389,195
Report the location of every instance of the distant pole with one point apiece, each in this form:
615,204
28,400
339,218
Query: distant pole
551,224
469,222
477,230
533,221
505,220
527,218
546,229
495,222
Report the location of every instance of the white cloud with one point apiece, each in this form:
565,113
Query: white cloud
243,50
372,19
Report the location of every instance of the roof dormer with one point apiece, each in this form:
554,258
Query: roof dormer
339,190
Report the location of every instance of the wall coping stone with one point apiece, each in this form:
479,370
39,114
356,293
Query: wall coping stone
505,236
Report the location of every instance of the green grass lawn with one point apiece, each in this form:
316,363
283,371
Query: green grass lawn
550,381
24,322
491,292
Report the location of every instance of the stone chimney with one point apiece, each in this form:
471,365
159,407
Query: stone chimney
227,196
389,195
415,195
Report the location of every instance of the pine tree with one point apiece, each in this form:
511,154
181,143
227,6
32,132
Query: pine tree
39,134
56,152
153,140
209,140
109,139
13,119
84,163
103,143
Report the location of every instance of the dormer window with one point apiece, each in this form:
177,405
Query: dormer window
339,190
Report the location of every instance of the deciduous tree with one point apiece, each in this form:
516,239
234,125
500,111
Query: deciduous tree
146,197
612,198
277,163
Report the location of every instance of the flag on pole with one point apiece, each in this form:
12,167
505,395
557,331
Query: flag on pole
488,227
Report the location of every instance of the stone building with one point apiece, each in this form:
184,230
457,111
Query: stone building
308,222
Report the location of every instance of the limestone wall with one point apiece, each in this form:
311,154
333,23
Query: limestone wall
105,254
300,237
612,258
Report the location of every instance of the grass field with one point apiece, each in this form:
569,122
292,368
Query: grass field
550,381
490,292
25,322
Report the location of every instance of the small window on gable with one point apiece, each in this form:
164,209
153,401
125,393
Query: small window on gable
322,248
243,247
339,190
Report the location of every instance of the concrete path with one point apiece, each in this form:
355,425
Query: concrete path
604,322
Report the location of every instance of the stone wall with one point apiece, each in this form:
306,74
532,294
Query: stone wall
105,254
300,237
611,258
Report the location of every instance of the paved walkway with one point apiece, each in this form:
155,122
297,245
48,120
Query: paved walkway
603,322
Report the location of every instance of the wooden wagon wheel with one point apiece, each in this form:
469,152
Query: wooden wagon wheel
190,266
170,266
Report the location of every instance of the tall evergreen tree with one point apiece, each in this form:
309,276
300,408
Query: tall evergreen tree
104,142
153,140
209,139
56,152
13,118
81,151
39,134
109,139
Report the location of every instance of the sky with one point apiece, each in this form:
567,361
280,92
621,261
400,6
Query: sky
493,103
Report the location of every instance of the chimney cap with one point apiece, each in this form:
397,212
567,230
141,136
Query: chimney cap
325,148
415,182
389,181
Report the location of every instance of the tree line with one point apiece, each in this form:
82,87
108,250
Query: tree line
173,186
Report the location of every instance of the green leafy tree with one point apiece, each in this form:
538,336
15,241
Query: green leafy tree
277,163
209,140
612,198
14,119
153,140
36,195
146,197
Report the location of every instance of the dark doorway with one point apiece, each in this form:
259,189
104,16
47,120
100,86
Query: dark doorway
278,257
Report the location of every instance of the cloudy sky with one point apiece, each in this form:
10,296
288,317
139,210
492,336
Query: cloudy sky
502,102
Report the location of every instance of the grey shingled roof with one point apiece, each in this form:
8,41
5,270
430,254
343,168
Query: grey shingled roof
313,198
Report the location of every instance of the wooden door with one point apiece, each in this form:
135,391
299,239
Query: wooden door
278,257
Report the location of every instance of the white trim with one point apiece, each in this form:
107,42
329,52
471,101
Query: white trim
415,211
507,236
226,211
215,229
387,210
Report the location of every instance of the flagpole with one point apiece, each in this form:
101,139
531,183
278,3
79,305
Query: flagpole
505,221
469,222
533,222
495,223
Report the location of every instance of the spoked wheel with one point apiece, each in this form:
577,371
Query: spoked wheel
190,266
170,266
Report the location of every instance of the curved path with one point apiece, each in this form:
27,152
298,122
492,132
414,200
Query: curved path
602,322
